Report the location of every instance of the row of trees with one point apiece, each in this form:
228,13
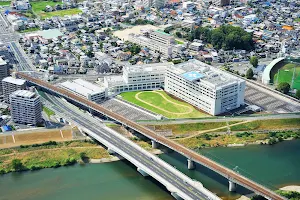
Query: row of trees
226,37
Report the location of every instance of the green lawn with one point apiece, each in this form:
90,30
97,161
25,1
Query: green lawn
48,111
179,42
60,13
286,74
161,103
297,20
29,30
4,3
39,6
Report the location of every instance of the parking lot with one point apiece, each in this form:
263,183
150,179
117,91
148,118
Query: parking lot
268,102
126,110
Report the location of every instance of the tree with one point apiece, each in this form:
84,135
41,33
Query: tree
283,87
178,34
254,61
17,165
249,73
298,94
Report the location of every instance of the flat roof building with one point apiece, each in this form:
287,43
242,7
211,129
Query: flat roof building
11,84
153,44
26,107
208,88
85,89
137,77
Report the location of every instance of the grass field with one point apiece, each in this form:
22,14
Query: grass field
48,111
39,6
29,30
46,156
4,3
272,124
208,140
161,103
285,74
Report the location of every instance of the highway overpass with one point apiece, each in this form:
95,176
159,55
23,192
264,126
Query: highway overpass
233,177
177,183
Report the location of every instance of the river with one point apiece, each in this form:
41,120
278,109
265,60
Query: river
274,166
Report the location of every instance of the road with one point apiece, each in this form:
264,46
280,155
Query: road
7,36
24,64
222,170
74,114
221,119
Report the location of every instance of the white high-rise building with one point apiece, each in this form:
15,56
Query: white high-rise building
26,107
208,88
4,72
11,84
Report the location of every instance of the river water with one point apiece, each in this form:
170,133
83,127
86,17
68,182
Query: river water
274,166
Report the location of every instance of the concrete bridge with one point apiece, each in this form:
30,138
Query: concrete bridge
233,177
179,185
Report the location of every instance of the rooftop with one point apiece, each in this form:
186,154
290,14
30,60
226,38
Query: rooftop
51,33
147,67
13,80
197,71
162,32
24,93
82,87
2,62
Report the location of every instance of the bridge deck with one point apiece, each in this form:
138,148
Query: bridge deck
169,143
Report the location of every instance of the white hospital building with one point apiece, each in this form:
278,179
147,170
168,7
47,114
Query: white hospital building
205,87
137,77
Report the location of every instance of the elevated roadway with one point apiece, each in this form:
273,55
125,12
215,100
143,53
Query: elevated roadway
147,164
233,177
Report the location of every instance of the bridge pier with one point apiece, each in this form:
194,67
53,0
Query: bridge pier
190,164
175,195
110,151
142,172
232,186
154,144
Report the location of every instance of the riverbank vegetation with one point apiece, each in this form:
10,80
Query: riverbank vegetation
272,124
291,195
49,155
239,138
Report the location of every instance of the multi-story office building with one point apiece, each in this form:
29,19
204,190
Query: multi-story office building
11,84
85,89
157,41
164,49
26,107
137,77
4,72
209,89
161,37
